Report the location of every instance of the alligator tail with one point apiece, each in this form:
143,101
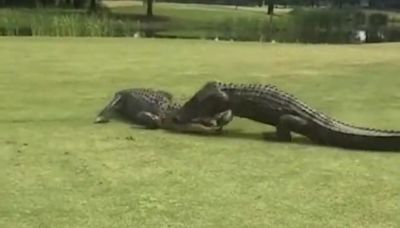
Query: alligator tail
351,137
107,112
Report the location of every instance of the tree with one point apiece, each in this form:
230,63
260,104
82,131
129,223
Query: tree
150,8
270,7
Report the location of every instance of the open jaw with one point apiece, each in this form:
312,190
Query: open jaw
210,107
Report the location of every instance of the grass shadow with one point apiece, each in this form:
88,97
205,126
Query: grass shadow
257,136
270,137
240,134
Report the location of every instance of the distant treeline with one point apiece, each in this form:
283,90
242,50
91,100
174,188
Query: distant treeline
340,3
302,24
48,3
366,3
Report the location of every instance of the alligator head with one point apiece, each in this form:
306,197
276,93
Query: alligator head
208,102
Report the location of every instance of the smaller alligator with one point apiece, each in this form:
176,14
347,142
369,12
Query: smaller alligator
155,109
269,105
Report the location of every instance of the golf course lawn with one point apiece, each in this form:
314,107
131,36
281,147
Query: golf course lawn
58,169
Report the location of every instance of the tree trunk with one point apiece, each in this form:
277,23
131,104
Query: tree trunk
149,8
270,7
236,2
340,3
38,3
75,4
372,3
92,6
48,3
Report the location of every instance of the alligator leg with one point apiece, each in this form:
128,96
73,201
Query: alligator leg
105,114
219,120
148,120
224,118
289,123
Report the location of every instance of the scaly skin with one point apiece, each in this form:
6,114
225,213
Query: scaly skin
269,105
154,109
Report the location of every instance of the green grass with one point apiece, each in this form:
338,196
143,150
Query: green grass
60,170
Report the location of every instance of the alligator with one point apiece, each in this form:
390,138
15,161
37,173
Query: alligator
269,105
155,109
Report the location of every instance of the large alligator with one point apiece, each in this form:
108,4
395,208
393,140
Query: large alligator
269,105
154,109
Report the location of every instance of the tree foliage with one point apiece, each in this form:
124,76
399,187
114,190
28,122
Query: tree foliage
91,4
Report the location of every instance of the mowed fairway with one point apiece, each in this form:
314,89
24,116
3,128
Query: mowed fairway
60,170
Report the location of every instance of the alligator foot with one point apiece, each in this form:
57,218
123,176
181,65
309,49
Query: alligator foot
288,123
101,119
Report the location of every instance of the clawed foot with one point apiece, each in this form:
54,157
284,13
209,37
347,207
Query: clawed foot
101,119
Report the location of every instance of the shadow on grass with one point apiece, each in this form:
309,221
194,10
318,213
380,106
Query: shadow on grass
239,134
270,137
